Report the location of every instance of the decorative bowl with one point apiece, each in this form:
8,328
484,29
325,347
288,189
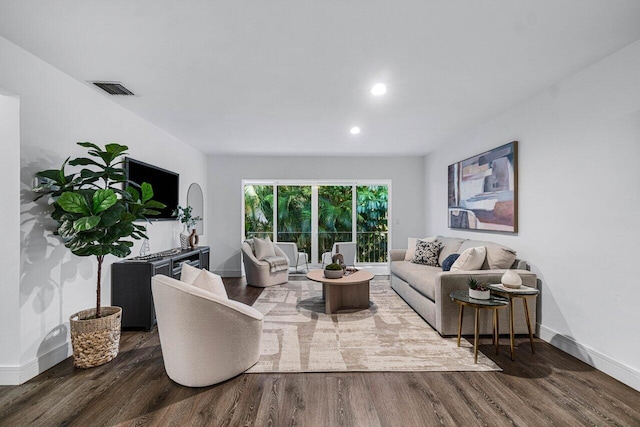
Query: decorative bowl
333,274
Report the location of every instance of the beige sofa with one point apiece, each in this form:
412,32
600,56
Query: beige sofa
426,289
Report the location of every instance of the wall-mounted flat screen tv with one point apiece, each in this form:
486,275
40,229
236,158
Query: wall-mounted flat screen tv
166,185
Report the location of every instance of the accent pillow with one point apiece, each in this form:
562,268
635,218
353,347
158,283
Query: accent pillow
211,282
500,258
264,248
189,273
448,262
427,253
411,246
470,259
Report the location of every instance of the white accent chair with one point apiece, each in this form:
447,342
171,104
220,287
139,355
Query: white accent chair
258,272
205,338
296,259
347,249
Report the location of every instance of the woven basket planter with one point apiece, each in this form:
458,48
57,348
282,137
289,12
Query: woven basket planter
95,341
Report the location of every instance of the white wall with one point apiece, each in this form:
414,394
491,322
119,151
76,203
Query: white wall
225,188
57,111
10,232
579,207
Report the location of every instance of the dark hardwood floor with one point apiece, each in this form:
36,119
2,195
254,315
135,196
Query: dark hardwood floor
548,388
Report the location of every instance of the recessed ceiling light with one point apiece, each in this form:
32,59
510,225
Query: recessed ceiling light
379,89
354,130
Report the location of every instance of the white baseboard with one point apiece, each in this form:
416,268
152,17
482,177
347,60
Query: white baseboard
623,373
20,374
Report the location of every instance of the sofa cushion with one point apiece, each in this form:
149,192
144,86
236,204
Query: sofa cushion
450,245
264,248
498,256
420,277
427,253
470,259
447,263
411,246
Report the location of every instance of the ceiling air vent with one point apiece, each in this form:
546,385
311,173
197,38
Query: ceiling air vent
113,88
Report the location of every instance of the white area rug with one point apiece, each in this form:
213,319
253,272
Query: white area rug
389,336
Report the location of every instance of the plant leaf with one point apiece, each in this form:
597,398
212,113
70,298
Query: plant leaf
154,204
83,161
147,191
135,195
73,202
116,149
88,145
112,215
103,200
86,223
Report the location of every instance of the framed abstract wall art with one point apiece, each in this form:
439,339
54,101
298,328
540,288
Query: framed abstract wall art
483,191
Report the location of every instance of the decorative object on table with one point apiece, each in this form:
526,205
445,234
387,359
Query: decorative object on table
333,271
483,191
96,218
194,239
145,248
185,216
511,279
339,259
478,290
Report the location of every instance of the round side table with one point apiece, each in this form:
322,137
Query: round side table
463,299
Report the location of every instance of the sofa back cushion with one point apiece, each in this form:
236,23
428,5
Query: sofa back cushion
450,245
498,256
470,259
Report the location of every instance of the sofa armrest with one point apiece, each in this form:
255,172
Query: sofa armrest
397,254
449,281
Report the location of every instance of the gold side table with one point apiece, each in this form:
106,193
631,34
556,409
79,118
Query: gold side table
463,299
523,292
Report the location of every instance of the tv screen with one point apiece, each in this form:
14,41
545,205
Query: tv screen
166,184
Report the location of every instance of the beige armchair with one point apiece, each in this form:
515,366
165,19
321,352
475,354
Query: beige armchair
205,338
259,272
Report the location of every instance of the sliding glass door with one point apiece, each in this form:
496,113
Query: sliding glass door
316,216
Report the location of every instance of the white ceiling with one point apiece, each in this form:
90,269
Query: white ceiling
291,77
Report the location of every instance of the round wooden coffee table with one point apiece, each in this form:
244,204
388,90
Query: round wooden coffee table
350,291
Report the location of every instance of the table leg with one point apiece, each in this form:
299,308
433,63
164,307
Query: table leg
496,332
475,337
460,322
526,313
511,340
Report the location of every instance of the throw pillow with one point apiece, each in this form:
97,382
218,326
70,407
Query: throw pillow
264,248
500,258
189,273
211,282
448,262
411,246
470,259
427,253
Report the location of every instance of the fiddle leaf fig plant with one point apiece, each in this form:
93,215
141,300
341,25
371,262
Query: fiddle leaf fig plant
95,215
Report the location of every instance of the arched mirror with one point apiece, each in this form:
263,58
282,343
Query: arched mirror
195,199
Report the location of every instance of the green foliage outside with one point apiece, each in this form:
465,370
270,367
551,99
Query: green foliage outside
334,217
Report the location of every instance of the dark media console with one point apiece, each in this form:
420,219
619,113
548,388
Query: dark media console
131,282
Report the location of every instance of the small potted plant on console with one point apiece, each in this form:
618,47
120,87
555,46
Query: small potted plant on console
333,271
478,290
